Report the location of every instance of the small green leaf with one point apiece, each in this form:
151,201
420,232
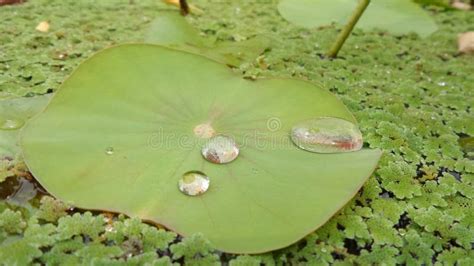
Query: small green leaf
171,29
12,222
195,250
80,225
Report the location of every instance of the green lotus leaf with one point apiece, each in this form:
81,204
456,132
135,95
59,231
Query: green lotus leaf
121,131
398,17
171,29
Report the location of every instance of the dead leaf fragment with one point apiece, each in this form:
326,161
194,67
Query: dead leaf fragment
466,42
43,26
461,5
10,2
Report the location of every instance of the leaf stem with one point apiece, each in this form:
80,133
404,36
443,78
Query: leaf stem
346,31
183,4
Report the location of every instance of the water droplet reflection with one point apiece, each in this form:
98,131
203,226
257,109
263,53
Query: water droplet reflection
442,83
220,149
11,124
109,150
327,135
194,183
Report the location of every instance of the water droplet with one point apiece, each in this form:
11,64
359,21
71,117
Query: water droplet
442,83
109,150
220,149
327,135
11,124
194,183
324,250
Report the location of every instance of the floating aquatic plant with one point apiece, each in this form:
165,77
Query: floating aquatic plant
133,98
398,17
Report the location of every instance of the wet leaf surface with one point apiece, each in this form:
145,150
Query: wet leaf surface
134,99
398,17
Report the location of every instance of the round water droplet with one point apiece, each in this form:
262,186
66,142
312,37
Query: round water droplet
220,149
11,124
109,150
194,183
327,135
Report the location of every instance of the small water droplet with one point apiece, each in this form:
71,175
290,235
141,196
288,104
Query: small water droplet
220,149
327,135
194,183
109,150
11,124
442,83
323,250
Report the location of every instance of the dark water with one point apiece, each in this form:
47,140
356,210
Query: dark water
21,190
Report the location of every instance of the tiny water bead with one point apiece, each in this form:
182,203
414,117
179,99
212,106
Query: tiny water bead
327,135
109,150
220,149
11,124
194,183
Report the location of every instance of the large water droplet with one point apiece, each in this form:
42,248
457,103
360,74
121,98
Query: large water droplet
194,183
220,149
109,150
327,135
11,124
